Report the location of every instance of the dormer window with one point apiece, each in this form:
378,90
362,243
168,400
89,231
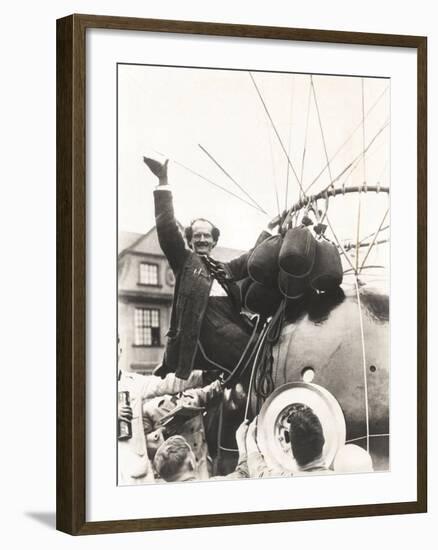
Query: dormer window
148,274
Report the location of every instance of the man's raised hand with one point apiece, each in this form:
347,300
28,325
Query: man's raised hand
158,169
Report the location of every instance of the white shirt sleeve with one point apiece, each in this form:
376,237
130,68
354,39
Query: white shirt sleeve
155,386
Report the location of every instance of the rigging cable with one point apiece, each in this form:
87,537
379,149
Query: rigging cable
254,367
247,347
340,246
363,132
230,376
330,174
290,138
359,204
211,182
322,131
196,173
264,382
334,192
356,160
364,362
372,234
356,163
275,130
347,271
347,140
364,437
274,173
214,363
309,95
373,242
204,150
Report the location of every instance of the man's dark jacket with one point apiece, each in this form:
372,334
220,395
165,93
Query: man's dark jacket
192,287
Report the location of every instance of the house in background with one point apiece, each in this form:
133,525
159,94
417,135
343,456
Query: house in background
145,291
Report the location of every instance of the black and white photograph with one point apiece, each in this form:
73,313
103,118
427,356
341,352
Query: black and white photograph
219,218
253,218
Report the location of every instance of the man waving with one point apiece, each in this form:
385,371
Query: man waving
206,325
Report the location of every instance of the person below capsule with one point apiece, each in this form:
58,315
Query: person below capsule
207,328
191,428
306,438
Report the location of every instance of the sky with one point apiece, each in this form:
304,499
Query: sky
250,123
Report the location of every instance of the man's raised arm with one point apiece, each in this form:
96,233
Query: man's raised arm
169,236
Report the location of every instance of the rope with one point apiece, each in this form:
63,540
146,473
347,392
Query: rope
354,166
334,192
358,232
367,148
211,182
356,159
309,95
363,245
362,336
219,366
219,434
230,376
347,140
340,246
365,436
287,217
228,449
220,447
372,234
231,178
290,138
264,384
276,323
260,344
347,271
232,373
274,173
363,131
322,131
236,368
364,177
276,132
373,242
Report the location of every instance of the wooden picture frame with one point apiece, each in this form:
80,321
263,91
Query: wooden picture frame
71,272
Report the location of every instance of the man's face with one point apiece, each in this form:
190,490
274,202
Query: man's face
154,441
202,239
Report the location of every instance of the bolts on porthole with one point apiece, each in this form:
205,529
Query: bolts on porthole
308,374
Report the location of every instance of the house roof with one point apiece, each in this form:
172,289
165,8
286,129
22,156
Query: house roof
127,239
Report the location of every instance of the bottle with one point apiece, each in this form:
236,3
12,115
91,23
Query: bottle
124,427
